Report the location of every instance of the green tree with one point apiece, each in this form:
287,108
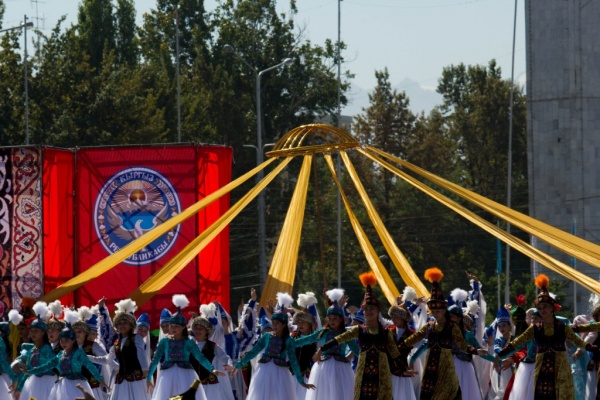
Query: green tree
12,97
126,45
96,29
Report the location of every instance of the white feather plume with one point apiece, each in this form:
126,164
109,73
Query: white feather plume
181,301
15,317
472,307
126,305
552,295
459,295
409,294
85,313
209,310
284,299
40,309
71,316
95,309
307,299
335,294
55,308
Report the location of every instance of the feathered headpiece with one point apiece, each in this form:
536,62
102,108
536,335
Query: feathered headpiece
409,294
180,301
335,295
368,280
84,314
437,301
472,307
284,300
124,312
41,311
70,318
542,282
305,300
15,317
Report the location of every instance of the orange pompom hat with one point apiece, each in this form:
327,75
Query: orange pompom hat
368,279
437,301
542,282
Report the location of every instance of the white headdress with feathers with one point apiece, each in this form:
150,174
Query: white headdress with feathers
125,306
307,299
208,310
85,313
55,308
180,301
71,316
284,300
40,309
409,294
15,317
472,307
459,295
335,294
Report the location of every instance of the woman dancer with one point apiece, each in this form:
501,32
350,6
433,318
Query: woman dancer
377,348
272,380
552,377
176,373
440,381
305,325
70,363
8,379
37,360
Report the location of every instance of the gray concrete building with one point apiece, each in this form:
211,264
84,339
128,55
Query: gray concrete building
563,101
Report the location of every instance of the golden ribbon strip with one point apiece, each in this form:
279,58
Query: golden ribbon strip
164,275
400,262
383,277
116,258
566,242
283,267
507,238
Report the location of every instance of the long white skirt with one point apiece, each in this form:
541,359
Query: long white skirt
333,380
300,390
238,386
38,387
174,381
218,391
4,387
467,379
402,388
130,391
523,385
271,382
99,394
66,389
499,385
591,384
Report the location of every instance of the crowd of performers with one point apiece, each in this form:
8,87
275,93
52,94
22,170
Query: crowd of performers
437,348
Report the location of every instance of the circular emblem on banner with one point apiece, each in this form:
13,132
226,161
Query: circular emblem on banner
131,203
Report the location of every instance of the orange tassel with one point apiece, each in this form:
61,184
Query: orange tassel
542,281
368,279
434,274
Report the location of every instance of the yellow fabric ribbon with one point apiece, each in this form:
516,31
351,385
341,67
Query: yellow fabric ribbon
164,275
566,242
400,262
507,238
283,267
117,257
383,277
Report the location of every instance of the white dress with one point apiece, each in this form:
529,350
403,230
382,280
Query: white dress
38,387
523,385
126,390
467,379
221,390
70,366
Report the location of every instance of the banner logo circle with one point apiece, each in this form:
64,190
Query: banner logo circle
132,202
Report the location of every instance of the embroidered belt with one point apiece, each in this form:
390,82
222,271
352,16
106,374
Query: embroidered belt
135,376
180,364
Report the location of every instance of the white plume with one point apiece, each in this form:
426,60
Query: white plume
40,309
71,316
126,305
307,299
55,308
459,295
15,317
284,299
95,309
335,294
181,301
85,313
552,295
209,310
472,307
409,294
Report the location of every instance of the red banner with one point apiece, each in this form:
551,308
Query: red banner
123,192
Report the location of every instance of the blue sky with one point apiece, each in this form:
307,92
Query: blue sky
414,39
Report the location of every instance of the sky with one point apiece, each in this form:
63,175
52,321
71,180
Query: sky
414,39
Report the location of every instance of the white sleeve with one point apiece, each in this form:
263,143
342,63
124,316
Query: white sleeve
141,352
222,356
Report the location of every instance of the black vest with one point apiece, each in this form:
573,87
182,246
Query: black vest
206,377
129,365
555,342
88,348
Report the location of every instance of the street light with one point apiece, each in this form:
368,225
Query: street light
24,26
259,159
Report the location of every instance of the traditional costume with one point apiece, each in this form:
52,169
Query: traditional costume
7,376
402,381
500,379
440,381
304,352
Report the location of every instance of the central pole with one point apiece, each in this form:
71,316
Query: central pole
261,198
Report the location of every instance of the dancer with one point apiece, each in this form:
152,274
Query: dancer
503,373
37,360
87,323
128,355
70,363
215,388
272,380
377,348
522,387
402,376
332,373
176,373
552,376
54,326
8,379
305,325
440,381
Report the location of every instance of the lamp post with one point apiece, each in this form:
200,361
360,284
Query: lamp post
259,159
24,26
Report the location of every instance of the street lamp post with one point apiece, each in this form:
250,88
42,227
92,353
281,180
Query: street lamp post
259,159
24,26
